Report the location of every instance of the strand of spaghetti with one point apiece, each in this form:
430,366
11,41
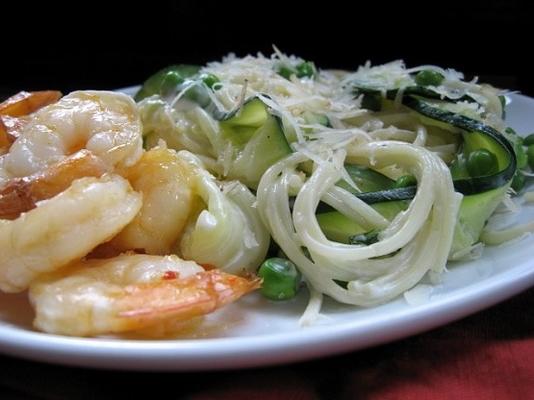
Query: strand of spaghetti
312,309
365,269
392,133
421,137
209,127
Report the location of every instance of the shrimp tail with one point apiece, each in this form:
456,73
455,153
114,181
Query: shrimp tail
181,299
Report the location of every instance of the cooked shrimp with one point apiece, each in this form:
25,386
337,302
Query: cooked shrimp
106,123
130,292
163,179
22,194
64,228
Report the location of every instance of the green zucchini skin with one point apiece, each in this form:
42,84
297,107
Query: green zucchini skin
376,187
471,185
405,193
478,184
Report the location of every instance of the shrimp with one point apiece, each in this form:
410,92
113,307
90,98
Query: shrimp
64,228
106,123
163,179
129,293
22,194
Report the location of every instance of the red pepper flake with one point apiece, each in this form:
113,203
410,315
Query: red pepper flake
168,275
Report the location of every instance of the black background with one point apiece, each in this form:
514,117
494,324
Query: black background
109,45
103,45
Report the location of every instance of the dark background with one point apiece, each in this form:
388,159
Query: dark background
104,46
109,45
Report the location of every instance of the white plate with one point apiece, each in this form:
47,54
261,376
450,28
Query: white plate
256,332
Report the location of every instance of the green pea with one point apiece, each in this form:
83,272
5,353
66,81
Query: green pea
209,79
286,71
305,69
281,279
429,77
481,162
170,81
518,182
405,181
530,156
529,140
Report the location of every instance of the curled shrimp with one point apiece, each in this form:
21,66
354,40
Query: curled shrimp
105,123
128,293
163,180
64,228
